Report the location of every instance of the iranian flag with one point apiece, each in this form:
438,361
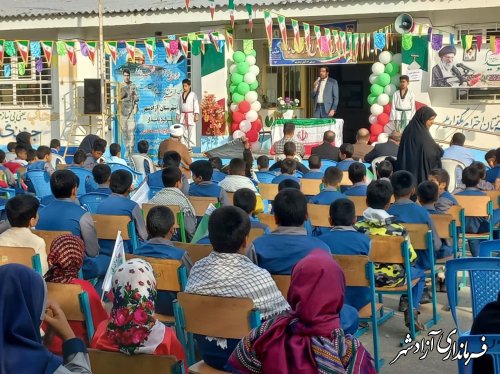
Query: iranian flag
70,48
282,25
23,48
212,9
307,36
111,49
2,49
317,32
150,44
130,46
91,46
268,20
47,46
184,45
296,34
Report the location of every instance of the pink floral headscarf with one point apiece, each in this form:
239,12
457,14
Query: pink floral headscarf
133,327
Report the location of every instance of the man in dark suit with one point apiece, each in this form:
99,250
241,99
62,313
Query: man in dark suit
388,149
325,95
327,151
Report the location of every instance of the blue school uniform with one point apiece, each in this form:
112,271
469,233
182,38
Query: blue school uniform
445,202
218,176
346,240
278,179
312,174
493,174
104,190
209,189
344,165
327,196
155,181
358,189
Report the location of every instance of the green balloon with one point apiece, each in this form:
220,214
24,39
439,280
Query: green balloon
395,68
372,99
236,78
243,88
232,88
252,53
376,89
239,56
243,67
238,98
389,68
383,79
254,86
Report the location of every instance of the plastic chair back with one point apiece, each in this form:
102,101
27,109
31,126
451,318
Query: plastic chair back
325,164
40,181
451,167
138,163
153,191
376,161
87,183
489,248
138,177
57,160
90,201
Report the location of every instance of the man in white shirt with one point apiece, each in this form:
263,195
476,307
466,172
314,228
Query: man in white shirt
188,112
403,107
22,213
325,95
458,152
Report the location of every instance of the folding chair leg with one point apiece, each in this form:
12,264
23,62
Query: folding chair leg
410,312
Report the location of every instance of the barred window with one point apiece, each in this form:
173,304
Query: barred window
31,89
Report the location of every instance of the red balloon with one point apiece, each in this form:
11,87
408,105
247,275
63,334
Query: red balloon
244,106
376,129
373,138
419,105
238,117
383,119
388,108
252,136
257,125
235,126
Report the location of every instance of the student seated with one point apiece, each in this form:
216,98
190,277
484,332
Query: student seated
427,195
483,185
143,334
357,175
55,146
19,161
288,183
31,156
237,178
377,221
493,175
102,176
119,204
445,200
344,239
172,195
307,340
290,151
22,213
228,272
264,175
489,157
279,251
287,171
24,306
247,200
65,261
160,225
115,151
173,159
10,178
44,158
143,149
203,186
385,170
263,163
346,152
314,168
64,214
98,149
11,152
79,158
331,181
218,175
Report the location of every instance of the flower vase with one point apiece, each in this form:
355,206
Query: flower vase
288,114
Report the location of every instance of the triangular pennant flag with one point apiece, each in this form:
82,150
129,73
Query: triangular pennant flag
296,34
307,35
392,35
166,45
212,8
284,37
150,44
61,48
436,41
362,46
70,48
184,45
368,42
464,42
2,41
268,20
429,34
196,47
10,48
23,48
493,44
497,46
336,40
174,47
231,8
317,33
111,49
452,39
47,46
407,41
247,46
83,48
328,37
468,42
91,47
187,3
355,42
130,46
250,16
349,46
35,50
386,31
213,40
343,42
379,40
479,42
230,38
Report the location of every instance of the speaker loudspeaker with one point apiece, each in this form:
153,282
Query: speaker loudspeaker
92,96
404,23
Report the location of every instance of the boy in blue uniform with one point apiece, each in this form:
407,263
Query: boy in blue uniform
385,170
346,152
44,156
98,149
55,146
314,168
344,239
218,175
287,171
357,175
170,158
119,204
331,181
203,186
160,226
63,214
143,148
493,175
246,199
428,194
102,175
445,200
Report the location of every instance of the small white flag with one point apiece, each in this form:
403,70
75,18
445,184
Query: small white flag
117,259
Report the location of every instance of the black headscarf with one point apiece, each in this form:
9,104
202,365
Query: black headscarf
418,153
87,143
24,139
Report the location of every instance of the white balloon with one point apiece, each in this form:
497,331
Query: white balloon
390,89
385,57
245,126
251,60
233,107
373,78
232,68
383,138
372,119
238,134
254,69
375,109
395,80
256,106
256,146
252,97
378,68
397,59
383,99
251,115
250,78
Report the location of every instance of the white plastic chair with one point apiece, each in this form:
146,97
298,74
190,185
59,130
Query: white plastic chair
138,163
451,167
56,160
375,161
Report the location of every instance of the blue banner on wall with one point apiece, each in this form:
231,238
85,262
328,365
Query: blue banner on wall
158,85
